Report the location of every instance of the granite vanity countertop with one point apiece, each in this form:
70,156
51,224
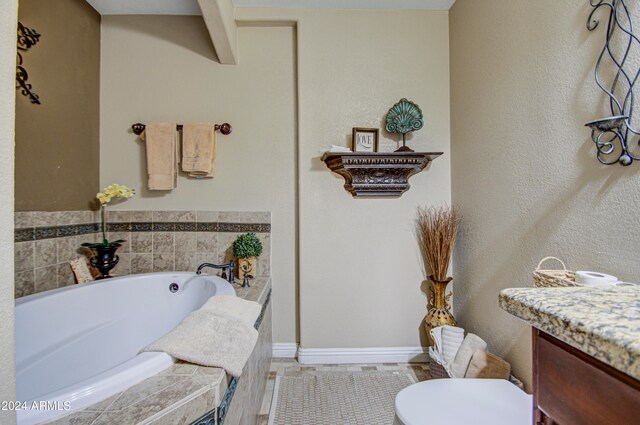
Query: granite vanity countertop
602,322
179,394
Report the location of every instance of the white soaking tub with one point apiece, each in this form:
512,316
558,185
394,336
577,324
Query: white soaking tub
78,345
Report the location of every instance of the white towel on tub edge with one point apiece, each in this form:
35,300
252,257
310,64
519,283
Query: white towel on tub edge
220,334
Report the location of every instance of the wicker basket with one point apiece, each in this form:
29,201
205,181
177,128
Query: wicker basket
553,278
439,372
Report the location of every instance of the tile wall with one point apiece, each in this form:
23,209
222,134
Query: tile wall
155,241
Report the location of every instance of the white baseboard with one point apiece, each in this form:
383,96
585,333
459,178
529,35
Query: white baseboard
362,355
285,350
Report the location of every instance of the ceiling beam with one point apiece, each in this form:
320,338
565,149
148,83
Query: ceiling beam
220,20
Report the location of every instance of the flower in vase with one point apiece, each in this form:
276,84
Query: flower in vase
114,191
109,193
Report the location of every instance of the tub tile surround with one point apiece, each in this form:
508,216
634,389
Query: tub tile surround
155,241
44,243
181,240
185,393
243,407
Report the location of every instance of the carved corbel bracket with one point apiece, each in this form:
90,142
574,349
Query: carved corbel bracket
379,175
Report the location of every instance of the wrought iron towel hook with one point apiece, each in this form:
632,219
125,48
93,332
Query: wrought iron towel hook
224,128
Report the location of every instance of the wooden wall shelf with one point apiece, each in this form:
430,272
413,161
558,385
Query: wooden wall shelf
379,174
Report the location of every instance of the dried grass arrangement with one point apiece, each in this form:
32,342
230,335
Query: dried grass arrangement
437,230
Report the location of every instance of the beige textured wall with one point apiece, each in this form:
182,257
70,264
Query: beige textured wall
359,272
8,18
523,165
359,268
57,142
164,68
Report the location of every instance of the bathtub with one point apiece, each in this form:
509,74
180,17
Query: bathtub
78,345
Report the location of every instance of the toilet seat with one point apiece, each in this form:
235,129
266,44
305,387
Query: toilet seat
463,402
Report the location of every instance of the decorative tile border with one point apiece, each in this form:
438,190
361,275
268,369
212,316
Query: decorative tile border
164,227
207,227
26,234
186,227
244,227
226,401
267,300
116,227
142,227
210,418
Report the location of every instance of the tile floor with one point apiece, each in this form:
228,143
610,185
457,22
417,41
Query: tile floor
420,371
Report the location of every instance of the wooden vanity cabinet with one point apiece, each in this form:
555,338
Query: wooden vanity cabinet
573,388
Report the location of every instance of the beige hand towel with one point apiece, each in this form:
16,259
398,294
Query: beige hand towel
487,366
162,155
470,345
199,149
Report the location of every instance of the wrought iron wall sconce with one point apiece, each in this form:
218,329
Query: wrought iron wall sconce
27,38
615,137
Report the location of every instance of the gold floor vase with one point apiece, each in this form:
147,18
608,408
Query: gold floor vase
440,312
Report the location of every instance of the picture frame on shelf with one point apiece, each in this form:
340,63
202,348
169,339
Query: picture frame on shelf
364,139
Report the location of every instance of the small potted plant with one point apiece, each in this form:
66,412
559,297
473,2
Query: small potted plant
246,248
106,257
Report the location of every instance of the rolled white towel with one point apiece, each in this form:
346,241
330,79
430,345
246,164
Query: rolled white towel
452,338
436,335
434,355
460,363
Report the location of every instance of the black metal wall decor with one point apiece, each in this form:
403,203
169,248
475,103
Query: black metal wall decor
616,137
27,38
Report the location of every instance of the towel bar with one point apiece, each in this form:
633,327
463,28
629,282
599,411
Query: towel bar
224,128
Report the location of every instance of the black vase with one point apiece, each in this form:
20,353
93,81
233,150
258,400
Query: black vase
105,260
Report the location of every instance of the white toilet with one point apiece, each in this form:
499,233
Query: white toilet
464,402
